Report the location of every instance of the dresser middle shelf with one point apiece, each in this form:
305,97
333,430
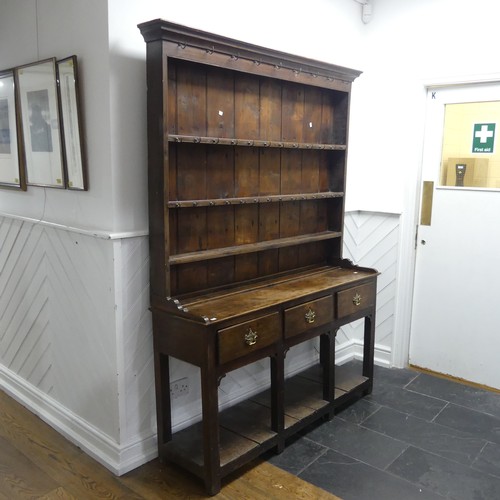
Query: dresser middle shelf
216,253
232,141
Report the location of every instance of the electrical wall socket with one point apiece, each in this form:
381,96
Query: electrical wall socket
179,388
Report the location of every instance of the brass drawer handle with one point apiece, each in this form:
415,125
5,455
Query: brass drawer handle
356,300
310,316
251,337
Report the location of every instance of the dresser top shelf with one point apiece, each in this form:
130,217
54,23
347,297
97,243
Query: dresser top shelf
208,48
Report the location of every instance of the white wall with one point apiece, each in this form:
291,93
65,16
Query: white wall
75,330
412,44
33,30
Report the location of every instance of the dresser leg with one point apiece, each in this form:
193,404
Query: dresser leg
278,397
212,488
211,438
163,410
369,350
327,359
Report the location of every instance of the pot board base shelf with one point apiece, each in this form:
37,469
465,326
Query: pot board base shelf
245,428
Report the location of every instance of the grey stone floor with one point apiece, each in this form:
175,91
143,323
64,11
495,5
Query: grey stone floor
415,436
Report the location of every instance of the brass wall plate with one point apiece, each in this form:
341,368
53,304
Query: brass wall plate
426,211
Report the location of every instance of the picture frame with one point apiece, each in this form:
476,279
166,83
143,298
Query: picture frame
71,118
11,160
36,85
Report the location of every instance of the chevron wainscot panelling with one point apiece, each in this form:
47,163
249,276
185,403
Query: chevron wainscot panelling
135,348
62,339
372,240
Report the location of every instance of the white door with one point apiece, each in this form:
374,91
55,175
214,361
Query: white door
456,307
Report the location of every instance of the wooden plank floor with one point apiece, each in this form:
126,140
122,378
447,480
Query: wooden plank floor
37,462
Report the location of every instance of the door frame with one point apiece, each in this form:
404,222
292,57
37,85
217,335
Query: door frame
409,225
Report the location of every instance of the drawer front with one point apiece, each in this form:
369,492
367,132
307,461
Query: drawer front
244,338
309,315
355,299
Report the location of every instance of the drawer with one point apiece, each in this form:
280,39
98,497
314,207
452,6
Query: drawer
309,315
244,338
355,299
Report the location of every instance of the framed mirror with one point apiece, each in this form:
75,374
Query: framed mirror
76,171
11,162
41,132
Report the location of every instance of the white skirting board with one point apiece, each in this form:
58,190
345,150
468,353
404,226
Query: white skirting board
119,459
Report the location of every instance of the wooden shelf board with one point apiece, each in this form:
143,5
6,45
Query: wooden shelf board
284,277
187,446
201,255
303,397
315,374
249,419
268,293
233,141
278,198
348,377
243,428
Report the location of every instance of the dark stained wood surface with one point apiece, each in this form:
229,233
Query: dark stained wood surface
227,304
192,44
355,298
320,313
37,462
214,113
233,343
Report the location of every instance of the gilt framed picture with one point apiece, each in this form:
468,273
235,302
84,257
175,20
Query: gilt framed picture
11,162
76,172
40,124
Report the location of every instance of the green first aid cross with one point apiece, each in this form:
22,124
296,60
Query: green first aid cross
483,139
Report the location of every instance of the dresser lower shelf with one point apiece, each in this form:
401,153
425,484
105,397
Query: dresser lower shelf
245,429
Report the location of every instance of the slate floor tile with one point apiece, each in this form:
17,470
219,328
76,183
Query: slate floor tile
444,441
474,422
409,402
461,394
489,459
359,411
445,477
393,376
298,455
357,442
353,480
415,436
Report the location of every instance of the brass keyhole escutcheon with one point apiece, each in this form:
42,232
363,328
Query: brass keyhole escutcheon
310,316
356,300
251,337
